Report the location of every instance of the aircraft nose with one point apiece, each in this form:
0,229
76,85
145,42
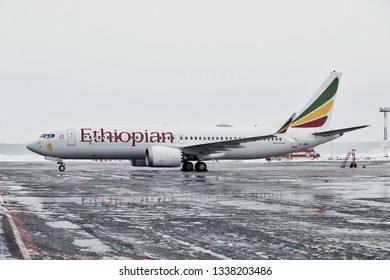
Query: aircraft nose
32,146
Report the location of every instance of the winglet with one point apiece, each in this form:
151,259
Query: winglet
286,125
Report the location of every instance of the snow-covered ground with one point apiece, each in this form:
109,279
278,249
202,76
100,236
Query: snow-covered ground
31,157
237,210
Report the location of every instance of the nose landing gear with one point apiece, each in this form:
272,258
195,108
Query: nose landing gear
59,161
62,165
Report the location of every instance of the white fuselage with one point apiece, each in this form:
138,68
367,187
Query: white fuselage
131,142
180,145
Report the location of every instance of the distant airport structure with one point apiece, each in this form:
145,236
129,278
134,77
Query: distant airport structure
304,154
384,111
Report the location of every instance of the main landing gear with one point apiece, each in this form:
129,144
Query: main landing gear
188,166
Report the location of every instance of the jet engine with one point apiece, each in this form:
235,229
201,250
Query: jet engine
159,156
138,162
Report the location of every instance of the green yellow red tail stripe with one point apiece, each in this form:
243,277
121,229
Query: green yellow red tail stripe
317,112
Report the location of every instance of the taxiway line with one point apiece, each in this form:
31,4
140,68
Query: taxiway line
16,232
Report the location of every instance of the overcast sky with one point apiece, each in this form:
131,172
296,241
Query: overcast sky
243,62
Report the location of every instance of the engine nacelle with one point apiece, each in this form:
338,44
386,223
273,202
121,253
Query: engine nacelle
138,162
159,156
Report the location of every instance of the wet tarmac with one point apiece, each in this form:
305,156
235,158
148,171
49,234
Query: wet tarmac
256,210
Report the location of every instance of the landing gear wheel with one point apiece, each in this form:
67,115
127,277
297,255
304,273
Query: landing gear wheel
200,166
61,168
187,166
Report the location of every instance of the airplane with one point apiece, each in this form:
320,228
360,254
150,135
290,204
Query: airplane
181,145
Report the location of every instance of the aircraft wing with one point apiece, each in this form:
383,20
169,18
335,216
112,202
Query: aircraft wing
338,131
227,145
221,146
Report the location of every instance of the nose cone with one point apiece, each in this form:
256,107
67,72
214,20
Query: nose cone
32,146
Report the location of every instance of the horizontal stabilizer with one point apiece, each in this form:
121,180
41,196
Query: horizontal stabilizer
338,131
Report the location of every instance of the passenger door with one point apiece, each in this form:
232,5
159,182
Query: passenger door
71,137
295,139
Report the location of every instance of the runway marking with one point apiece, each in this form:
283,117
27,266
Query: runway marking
26,244
26,237
16,232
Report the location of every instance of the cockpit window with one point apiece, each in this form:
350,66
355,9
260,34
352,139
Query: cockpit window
47,136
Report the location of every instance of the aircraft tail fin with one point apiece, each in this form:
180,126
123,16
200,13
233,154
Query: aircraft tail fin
317,112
